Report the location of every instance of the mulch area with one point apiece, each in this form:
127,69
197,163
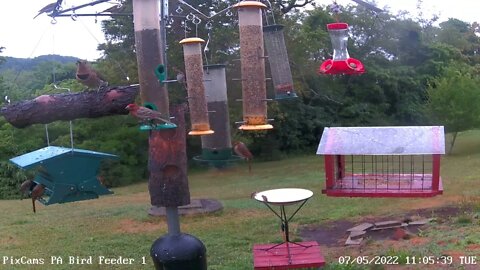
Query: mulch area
334,234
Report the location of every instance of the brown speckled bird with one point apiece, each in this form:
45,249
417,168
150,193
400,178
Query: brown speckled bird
89,77
37,192
145,115
241,150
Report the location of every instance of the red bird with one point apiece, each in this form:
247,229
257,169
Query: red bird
241,150
87,76
145,115
36,193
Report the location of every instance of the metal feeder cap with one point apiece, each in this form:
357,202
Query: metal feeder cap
192,40
250,4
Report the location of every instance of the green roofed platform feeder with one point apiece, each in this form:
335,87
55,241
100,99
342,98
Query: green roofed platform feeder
68,174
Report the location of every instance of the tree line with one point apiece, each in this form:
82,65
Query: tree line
419,71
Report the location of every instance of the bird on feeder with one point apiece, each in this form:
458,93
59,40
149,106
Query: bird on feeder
180,77
146,115
47,9
25,187
89,77
242,151
37,192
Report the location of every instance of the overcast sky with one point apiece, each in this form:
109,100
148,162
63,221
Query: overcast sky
24,37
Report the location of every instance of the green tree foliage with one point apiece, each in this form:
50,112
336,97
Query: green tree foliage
409,64
453,100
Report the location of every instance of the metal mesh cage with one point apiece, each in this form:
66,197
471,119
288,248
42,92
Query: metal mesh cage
279,63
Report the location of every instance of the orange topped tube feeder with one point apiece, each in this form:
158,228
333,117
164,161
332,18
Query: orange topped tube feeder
254,90
197,103
341,63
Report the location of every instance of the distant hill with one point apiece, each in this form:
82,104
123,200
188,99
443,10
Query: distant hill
25,64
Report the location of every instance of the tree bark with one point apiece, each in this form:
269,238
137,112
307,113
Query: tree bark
69,106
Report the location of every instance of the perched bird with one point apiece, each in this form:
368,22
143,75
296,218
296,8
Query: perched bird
47,9
241,150
37,192
180,77
25,187
88,76
146,116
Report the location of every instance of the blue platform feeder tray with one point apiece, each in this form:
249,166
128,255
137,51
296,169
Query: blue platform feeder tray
68,174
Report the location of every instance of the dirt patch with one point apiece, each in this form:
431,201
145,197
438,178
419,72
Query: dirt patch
134,226
334,234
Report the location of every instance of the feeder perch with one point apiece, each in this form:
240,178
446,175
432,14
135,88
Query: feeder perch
160,73
192,53
68,174
341,62
279,63
163,126
217,148
382,161
252,58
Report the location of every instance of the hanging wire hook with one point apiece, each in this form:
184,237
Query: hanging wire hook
53,21
70,122
229,13
209,25
196,20
179,10
74,16
190,16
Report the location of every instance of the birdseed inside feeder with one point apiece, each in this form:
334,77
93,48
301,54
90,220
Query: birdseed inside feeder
254,91
192,52
278,60
341,63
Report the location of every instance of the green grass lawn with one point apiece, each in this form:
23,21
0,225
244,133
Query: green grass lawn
118,225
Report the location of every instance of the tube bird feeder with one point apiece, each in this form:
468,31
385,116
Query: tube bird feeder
217,148
278,60
192,53
254,91
341,63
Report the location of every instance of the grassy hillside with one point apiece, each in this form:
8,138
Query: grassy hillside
118,225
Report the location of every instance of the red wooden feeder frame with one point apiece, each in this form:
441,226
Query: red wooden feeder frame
382,161
341,63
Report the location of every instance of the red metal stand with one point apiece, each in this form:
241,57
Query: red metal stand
287,256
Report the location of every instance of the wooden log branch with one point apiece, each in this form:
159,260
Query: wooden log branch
68,106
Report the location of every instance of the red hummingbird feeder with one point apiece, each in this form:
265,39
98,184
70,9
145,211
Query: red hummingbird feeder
341,63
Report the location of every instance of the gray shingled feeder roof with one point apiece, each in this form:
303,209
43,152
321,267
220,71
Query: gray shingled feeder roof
412,140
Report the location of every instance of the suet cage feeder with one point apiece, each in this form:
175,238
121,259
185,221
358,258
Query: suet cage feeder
217,148
252,58
197,104
68,174
279,63
341,62
382,161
